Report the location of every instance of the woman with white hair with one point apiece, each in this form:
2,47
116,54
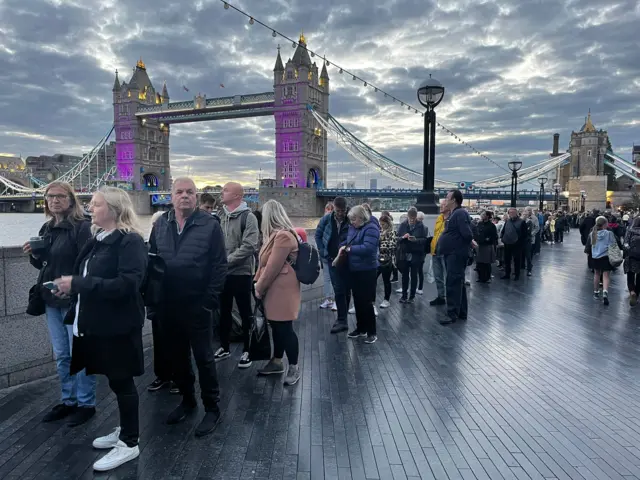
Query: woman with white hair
278,287
361,249
107,314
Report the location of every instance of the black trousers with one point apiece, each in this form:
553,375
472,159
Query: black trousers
421,276
238,287
127,397
633,282
527,256
191,331
484,271
512,253
410,272
363,287
341,290
161,349
456,288
386,271
559,235
285,340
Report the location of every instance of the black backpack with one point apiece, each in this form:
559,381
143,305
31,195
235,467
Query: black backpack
307,265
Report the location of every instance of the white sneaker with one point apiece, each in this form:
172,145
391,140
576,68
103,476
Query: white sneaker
334,307
119,455
326,304
352,310
108,441
385,304
399,290
245,361
375,311
419,292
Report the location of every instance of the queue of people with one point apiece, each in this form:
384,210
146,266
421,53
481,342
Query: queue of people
93,274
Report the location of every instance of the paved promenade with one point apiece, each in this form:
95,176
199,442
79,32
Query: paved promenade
542,381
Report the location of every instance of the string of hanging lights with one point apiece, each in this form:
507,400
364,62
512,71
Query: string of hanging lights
294,44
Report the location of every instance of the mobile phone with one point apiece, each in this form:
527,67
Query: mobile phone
51,286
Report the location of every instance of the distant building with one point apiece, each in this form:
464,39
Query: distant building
351,184
14,169
47,168
340,185
373,184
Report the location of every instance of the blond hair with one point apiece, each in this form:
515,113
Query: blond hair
121,208
274,218
75,212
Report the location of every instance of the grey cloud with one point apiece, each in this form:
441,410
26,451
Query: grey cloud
57,81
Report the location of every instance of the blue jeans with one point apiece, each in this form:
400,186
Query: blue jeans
440,274
79,389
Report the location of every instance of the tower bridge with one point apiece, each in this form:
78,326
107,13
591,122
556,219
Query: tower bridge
299,103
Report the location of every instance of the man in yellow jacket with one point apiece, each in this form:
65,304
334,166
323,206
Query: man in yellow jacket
439,268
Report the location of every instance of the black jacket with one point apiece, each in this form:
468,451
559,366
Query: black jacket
486,233
64,242
585,227
457,235
196,259
110,300
415,248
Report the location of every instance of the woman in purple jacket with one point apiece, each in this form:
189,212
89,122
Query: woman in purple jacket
361,248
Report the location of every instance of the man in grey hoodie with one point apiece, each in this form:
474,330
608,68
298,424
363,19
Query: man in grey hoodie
240,228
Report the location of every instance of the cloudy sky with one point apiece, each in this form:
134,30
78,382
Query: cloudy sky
515,72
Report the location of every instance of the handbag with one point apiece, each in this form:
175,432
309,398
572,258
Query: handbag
152,289
36,305
260,336
615,254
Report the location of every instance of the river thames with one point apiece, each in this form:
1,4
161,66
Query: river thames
16,228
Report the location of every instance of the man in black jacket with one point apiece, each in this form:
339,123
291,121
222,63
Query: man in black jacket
192,245
453,245
514,235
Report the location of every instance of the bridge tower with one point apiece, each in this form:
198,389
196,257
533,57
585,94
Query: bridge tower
301,145
142,146
587,170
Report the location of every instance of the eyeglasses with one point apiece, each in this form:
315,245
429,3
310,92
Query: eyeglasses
56,197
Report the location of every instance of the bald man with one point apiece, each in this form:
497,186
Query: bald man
241,235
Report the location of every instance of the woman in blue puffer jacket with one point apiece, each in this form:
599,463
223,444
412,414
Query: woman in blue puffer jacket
361,248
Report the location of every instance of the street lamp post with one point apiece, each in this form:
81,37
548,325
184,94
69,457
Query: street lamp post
430,94
556,187
583,200
542,181
514,166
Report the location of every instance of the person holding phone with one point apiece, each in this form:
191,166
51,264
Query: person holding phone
54,253
107,315
412,238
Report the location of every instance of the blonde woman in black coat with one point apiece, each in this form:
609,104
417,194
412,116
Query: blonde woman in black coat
107,314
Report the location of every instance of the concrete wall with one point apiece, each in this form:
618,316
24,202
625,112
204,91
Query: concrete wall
298,202
25,349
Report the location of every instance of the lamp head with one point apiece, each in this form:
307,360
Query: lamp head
430,93
515,165
542,180
556,186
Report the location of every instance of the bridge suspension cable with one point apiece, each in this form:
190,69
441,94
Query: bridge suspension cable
368,156
527,174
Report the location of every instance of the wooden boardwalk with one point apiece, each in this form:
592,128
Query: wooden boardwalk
542,381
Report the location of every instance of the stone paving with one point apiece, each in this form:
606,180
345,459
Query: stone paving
541,382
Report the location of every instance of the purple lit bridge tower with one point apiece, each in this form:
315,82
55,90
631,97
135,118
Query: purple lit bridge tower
142,118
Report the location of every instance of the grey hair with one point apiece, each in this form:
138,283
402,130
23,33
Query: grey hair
359,212
183,179
420,216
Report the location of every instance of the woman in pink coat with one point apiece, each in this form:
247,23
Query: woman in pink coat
278,287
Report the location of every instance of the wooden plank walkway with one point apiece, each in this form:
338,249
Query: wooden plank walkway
542,381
